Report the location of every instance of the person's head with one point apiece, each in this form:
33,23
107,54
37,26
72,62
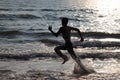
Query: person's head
64,21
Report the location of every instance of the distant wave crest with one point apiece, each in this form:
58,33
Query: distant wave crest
17,16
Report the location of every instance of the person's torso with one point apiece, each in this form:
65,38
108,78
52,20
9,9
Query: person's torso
66,33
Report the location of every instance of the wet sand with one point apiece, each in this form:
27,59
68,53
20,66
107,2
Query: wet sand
52,69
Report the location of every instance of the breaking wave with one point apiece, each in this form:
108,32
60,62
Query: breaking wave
44,37
97,44
26,56
98,35
54,55
84,44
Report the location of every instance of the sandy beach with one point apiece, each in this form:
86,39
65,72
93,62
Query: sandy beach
52,69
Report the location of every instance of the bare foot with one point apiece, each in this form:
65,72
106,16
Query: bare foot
65,60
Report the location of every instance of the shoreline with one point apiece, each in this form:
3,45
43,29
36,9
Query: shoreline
49,75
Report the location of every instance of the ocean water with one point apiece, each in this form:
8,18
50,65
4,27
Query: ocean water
24,26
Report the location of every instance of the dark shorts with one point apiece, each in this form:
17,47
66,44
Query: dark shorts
67,46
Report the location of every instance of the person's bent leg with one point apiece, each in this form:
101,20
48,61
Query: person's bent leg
57,50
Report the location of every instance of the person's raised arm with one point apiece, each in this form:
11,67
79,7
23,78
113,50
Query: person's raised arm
82,39
55,34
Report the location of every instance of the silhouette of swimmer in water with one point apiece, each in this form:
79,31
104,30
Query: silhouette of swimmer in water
65,30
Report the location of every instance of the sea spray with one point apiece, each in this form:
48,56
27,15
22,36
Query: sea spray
81,69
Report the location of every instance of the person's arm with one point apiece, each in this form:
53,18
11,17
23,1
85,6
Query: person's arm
55,34
75,29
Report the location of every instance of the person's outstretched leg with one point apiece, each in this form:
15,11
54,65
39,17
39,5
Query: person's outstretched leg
72,53
77,60
64,57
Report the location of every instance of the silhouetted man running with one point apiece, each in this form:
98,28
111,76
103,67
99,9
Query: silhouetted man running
65,30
